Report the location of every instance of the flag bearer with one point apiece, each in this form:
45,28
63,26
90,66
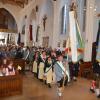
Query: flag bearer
61,74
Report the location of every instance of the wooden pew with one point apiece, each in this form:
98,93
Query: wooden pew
11,85
86,67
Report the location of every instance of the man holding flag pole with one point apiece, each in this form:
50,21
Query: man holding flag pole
76,46
76,41
62,76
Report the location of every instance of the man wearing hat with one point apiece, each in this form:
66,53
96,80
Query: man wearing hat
60,73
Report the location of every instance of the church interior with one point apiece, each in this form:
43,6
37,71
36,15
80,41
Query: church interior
49,49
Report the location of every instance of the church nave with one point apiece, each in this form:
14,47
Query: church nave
33,89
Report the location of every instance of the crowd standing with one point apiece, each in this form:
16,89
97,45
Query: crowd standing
47,64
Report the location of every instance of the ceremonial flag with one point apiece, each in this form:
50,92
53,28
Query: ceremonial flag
80,42
30,30
73,39
76,41
98,51
98,35
67,45
98,44
8,39
19,39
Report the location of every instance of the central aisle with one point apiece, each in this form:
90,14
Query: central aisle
33,89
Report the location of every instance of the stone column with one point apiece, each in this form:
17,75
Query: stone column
89,30
55,34
26,38
38,43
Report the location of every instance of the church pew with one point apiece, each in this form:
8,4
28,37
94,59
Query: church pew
11,85
86,67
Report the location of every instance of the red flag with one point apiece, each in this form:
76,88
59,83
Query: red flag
30,30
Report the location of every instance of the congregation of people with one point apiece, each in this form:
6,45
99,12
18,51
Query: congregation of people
47,65
40,61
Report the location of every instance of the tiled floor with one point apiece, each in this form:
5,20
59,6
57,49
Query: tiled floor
33,89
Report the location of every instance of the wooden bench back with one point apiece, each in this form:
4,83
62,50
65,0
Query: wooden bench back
11,85
83,66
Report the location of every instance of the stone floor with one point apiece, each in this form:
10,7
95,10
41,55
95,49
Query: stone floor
33,89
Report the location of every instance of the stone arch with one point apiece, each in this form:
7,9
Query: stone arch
7,13
12,11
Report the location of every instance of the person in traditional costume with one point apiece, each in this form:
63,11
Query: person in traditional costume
35,64
19,53
26,53
31,58
1,74
53,56
41,63
10,69
26,57
65,63
75,70
13,52
95,86
54,59
61,74
48,71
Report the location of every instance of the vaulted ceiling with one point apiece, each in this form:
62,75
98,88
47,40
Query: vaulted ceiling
20,3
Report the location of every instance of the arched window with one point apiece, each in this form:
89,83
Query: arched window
64,21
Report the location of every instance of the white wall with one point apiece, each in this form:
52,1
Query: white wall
46,7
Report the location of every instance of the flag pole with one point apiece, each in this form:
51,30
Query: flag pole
72,8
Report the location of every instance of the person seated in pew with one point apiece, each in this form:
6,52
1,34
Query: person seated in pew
1,74
4,66
10,69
